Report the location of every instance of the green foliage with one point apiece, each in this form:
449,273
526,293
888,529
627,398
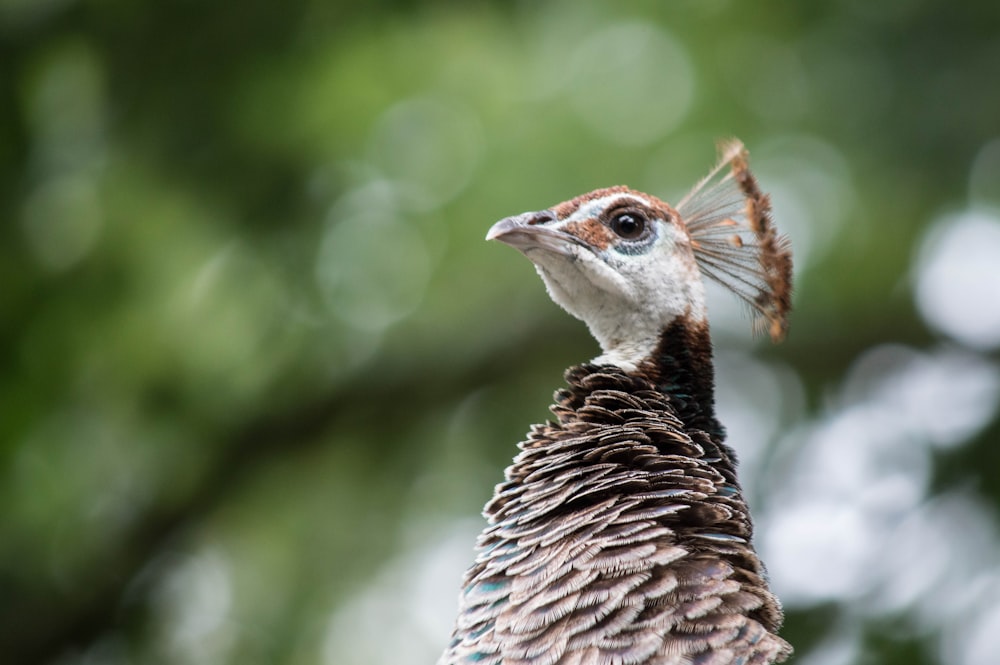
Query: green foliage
255,352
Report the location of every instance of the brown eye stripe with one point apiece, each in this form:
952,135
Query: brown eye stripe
592,232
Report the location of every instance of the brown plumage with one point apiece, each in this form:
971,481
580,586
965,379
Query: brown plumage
620,535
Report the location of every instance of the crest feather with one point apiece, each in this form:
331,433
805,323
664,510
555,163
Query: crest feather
735,243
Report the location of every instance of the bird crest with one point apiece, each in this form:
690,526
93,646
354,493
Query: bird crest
735,243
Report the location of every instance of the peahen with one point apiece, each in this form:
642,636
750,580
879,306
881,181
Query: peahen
620,535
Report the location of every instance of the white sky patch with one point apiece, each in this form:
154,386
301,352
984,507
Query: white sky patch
978,641
196,600
942,398
932,562
856,486
817,551
957,279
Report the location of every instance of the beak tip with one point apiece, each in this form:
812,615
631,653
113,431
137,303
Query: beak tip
503,227
517,223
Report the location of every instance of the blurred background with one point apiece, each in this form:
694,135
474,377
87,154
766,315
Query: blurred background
259,371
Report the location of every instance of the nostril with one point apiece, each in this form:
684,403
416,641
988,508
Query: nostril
542,217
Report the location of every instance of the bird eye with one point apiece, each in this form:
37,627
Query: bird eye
628,225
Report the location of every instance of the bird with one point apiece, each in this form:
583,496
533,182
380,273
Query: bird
620,534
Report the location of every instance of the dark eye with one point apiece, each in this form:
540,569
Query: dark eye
629,225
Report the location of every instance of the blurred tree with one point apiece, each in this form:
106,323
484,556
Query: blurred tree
257,361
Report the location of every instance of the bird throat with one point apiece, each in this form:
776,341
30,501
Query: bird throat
681,367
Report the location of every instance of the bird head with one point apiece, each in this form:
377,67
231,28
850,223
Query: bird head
619,260
630,265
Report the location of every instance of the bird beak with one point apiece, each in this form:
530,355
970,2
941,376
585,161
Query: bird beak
529,231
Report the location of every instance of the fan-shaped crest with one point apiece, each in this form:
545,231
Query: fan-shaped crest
734,241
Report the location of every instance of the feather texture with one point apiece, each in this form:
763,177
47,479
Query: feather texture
618,538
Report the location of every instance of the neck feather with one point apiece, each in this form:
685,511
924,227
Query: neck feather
681,367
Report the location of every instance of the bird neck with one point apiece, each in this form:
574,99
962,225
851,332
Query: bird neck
681,367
